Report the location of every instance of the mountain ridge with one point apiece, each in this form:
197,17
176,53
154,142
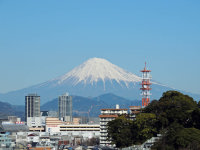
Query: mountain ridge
84,106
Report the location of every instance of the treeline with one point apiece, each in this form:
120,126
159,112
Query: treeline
175,116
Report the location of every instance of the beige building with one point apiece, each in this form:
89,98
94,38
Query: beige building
76,120
53,124
135,109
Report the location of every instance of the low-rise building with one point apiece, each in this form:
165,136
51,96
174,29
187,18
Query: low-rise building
54,125
33,137
5,141
134,110
37,129
80,127
76,120
34,121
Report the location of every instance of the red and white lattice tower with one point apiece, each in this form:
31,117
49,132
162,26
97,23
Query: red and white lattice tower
146,77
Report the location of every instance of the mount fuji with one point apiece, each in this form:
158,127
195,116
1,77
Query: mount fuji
94,77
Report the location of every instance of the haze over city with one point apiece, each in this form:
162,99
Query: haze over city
41,40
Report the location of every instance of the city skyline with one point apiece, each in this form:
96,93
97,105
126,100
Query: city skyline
40,41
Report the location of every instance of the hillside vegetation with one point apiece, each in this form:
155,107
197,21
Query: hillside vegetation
176,116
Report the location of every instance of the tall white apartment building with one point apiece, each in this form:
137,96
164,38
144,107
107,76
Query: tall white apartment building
106,116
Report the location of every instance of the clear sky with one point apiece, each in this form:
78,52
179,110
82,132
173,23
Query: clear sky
43,39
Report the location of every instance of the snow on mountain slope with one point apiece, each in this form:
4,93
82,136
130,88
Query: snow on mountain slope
98,69
94,77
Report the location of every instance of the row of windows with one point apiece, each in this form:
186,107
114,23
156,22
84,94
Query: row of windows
79,127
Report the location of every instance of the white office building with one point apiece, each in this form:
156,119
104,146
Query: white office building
106,116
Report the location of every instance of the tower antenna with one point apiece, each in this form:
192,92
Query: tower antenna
146,77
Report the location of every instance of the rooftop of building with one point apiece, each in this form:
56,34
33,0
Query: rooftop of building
13,127
114,109
135,107
81,125
32,94
108,116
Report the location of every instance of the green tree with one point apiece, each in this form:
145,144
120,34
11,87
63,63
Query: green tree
119,131
196,118
175,115
144,127
172,107
124,132
198,104
179,138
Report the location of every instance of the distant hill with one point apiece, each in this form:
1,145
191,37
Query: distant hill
112,99
83,106
7,109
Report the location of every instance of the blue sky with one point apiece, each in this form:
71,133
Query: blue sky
40,40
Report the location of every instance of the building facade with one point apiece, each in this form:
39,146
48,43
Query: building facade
56,126
32,106
53,124
65,107
33,122
134,110
106,116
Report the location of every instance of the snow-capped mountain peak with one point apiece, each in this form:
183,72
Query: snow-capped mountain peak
94,77
98,69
